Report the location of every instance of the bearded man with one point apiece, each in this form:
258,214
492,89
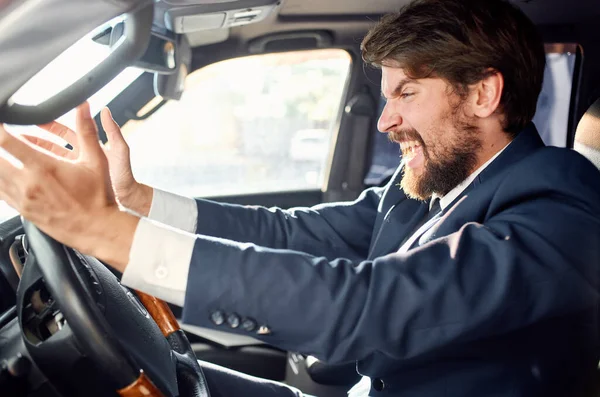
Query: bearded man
473,273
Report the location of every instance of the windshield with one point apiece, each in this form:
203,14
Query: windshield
69,66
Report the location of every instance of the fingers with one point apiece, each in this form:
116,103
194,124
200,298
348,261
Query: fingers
61,131
87,132
113,132
51,147
19,149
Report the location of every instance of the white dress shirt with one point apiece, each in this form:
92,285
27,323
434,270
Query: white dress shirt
163,243
454,193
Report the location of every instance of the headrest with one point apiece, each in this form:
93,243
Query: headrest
587,136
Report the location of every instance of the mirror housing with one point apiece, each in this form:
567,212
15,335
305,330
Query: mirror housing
171,86
160,55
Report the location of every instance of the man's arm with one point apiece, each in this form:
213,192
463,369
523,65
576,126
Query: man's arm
533,258
330,230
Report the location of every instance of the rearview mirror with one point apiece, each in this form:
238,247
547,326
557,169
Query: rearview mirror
160,55
171,86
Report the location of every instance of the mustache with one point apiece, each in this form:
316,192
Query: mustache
405,135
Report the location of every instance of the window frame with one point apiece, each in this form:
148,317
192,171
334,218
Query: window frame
333,130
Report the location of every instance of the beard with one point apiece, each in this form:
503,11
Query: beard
447,163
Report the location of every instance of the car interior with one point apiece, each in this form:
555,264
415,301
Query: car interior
253,102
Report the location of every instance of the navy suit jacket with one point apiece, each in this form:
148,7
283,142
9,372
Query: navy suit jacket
498,298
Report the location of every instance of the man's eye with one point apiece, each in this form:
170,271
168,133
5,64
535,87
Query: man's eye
406,94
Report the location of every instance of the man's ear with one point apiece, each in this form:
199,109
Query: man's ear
488,93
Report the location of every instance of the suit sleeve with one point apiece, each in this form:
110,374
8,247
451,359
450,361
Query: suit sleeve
485,279
331,230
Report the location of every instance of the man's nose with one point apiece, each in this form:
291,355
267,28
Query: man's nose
389,120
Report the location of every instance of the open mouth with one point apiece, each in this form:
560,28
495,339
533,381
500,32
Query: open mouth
412,153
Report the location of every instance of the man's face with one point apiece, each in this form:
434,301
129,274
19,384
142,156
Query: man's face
439,142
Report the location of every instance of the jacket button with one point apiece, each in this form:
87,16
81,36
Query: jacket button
378,384
233,320
217,317
249,325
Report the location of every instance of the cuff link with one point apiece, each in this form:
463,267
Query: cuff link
161,272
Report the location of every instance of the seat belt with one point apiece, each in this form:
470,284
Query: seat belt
359,110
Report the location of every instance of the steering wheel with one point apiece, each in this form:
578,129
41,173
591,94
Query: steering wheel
91,336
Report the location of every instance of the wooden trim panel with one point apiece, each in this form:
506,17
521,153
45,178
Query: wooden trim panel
142,387
160,312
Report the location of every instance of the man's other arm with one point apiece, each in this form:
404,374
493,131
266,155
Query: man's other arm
331,229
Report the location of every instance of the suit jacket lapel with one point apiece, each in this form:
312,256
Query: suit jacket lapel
400,224
397,211
522,146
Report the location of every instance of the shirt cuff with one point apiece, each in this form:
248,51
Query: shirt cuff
159,261
174,210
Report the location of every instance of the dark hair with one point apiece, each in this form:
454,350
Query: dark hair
463,42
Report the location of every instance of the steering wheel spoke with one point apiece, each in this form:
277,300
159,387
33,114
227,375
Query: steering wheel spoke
160,312
142,387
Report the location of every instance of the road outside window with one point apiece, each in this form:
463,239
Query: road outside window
250,125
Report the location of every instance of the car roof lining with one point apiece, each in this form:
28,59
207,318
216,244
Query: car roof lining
348,21
540,11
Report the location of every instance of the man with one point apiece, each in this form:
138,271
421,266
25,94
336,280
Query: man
472,273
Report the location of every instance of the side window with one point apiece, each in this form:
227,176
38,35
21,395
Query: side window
257,124
551,117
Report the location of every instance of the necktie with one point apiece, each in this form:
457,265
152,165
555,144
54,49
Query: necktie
434,210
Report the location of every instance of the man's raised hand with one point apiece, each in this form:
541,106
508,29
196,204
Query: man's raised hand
127,190
68,195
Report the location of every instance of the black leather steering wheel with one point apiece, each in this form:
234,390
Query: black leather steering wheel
75,314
